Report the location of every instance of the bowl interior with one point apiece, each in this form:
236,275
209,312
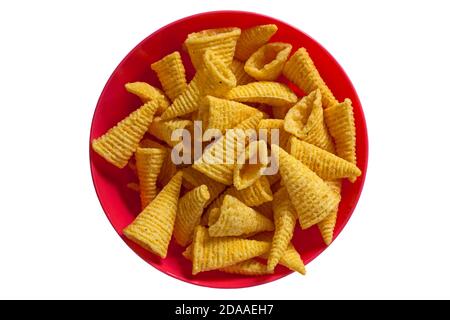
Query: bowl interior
121,205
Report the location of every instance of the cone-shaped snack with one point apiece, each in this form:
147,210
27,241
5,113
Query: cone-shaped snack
168,170
193,178
255,195
237,219
272,93
326,226
300,69
119,143
267,62
250,267
163,129
147,93
311,197
305,121
253,38
222,114
214,78
250,164
213,216
148,165
171,74
221,41
218,161
187,253
291,258
325,164
278,124
341,123
242,77
210,253
285,217
153,227
190,209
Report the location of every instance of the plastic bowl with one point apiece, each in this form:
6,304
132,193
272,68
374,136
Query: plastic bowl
121,205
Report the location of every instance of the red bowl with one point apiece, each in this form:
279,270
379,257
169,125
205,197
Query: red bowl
121,205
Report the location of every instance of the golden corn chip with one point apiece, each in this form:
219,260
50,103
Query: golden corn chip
300,69
242,77
168,170
218,161
341,123
326,226
214,78
305,121
269,124
311,197
291,258
148,143
325,164
250,165
147,93
187,253
221,114
119,143
193,178
133,186
253,38
163,129
148,165
267,62
221,41
255,195
213,216
153,227
265,209
237,219
190,209
272,93
250,267
210,253
285,218
171,74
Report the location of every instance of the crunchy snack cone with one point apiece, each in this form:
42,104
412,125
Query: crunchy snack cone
153,227
237,219
171,74
147,93
311,197
251,164
193,178
253,38
119,143
163,129
283,135
326,226
242,77
190,209
214,253
250,267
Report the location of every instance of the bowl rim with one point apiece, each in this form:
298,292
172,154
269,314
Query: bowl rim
362,122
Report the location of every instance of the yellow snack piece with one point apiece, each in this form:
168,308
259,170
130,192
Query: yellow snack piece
253,38
221,41
147,93
268,92
216,162
250,267
291,259
148,165
190,209
119,143
213,216
341,123
187,253
283,135
221,114
153,227
285,218
250,165
300,69
311,197
305,121
242,77
163,129
193,178
211,253
214,78
326,226
168,170
325,164
267,62
171,74
237,219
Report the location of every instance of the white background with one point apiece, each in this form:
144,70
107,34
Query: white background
55,57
